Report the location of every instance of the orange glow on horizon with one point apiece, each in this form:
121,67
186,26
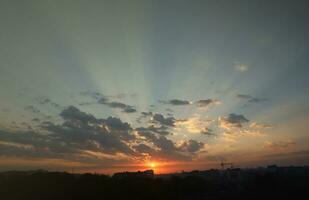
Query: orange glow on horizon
152,164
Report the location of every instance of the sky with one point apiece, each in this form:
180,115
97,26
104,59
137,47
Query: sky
107,86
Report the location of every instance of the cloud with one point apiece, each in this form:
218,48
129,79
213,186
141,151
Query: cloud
143,148
192,146
82,137
31,109
206,102
294,154
194,124
250,98
232,121
17,145
166,121
47,101
176,102
157,119
109,135
207,131
279,144
129,109
241,67
260,125
106,100
125,108
162,130
94,95
164,147
73,113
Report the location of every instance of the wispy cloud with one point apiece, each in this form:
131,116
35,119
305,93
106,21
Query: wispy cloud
250,98
279,144
241,67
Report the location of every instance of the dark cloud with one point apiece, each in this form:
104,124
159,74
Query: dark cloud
125,108
233,121
206,102
105,100
73,113
166,145
116,105
162,130
129,109
111,135
32,144
192,146
166,121
81,132
116,124
176,102
147,114
143,148
251,99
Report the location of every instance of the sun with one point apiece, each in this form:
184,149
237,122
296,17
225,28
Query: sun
152,165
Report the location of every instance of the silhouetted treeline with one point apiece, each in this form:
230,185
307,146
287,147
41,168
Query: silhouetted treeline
273,182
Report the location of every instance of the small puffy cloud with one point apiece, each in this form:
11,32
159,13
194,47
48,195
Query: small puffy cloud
125,108
176,102
166,121
73,113
232,121
206,102
129,109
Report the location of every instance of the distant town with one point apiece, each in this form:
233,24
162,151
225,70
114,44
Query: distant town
242,183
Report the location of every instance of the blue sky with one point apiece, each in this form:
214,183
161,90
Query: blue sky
246,60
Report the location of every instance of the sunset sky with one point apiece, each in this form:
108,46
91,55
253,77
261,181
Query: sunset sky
106,86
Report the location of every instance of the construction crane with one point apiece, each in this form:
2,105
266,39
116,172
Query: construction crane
223,164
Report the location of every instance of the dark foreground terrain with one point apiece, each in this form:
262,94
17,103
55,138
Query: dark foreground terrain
272,182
